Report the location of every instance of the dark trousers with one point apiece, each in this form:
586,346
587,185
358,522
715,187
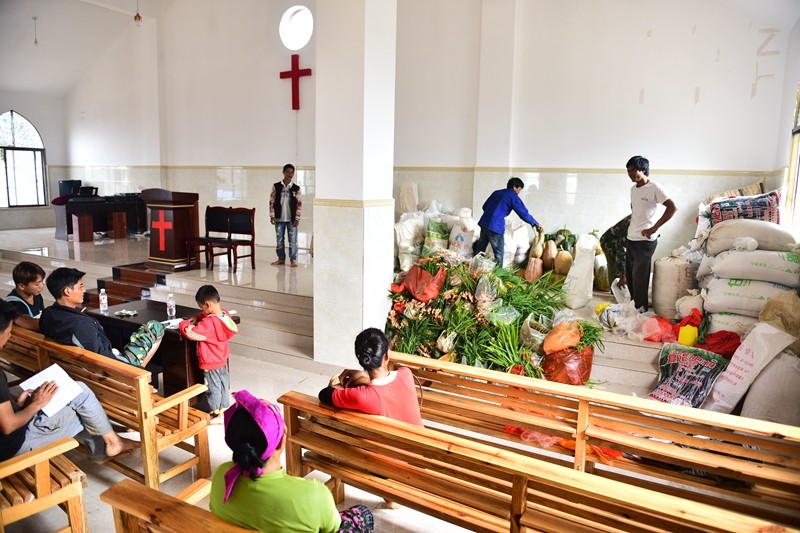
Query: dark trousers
638,261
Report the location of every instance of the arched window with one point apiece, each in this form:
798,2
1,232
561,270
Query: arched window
24,166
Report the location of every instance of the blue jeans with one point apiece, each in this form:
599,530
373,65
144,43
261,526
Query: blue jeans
280,247
497,240
83,418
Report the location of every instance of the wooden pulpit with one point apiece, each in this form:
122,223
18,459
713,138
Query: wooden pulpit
173,218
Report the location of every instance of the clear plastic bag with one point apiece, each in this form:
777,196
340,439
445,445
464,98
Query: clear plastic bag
485,294
532,333
503,315
446,341
480,265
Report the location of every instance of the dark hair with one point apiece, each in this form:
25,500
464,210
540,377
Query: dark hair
26,272
61,278
515,183
287,166
7,315
639,163
371,346
247,441
206,293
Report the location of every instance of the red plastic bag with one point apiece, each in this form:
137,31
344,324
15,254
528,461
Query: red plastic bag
422,285
663,330
695,318
564,335
722,342
570,366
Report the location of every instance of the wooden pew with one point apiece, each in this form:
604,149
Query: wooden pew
754,465
138,508
41,479
127,398
477,486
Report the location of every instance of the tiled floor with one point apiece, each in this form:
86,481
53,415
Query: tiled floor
265,378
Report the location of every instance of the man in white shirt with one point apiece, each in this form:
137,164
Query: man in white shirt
647,199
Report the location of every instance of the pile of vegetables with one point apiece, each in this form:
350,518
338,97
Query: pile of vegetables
481,315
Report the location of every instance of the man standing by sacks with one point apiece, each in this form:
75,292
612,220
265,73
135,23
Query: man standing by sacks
647,197
493,221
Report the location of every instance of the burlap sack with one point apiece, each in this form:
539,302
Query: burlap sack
782,310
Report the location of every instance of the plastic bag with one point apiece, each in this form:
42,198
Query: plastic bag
564,335
686,375
744,244
633,325
422,285
480,265
613,316
485,294
723,342
446,341
570,366
658,329
532,333
502,315
580,278
621,294
783,311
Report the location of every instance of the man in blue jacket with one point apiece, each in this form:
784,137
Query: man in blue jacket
493,222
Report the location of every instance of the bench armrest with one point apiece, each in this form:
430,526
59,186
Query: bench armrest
178,398
34,457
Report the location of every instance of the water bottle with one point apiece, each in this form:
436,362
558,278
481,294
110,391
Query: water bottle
103,301
145,294
170,306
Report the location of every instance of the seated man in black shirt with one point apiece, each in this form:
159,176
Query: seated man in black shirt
65,322
24,427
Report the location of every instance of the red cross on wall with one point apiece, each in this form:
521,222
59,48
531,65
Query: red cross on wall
295,74
161,225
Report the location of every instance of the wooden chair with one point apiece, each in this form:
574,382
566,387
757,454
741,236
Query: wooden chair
217,231
41,479
242,223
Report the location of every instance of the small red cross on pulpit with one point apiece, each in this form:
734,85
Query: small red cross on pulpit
295,74
161,225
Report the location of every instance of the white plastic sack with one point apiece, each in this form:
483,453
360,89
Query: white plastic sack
706,265
755,352
461,241
741,296
672,277
685,304
578,285
409,197
740,324
769,236
621,295
775,393
761,265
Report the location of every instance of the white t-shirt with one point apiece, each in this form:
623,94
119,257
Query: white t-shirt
646,208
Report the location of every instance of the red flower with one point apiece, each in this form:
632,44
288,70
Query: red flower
399,306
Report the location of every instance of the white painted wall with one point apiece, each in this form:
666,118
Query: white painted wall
789,101
112,114
223,100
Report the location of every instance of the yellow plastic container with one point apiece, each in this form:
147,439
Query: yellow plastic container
687,335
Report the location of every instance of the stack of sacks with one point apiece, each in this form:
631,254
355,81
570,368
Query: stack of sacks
421,232
748,262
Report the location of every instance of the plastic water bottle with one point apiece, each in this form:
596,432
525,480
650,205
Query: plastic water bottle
170,306
103,301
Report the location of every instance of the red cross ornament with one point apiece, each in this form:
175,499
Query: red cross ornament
295,74
161,224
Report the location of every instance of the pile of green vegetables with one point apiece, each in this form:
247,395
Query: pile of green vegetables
451,325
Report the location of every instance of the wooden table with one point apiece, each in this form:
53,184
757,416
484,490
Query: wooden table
177,356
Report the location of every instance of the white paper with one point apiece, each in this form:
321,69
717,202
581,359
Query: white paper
67,391
172,323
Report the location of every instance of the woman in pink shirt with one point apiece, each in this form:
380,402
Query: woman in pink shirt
376,390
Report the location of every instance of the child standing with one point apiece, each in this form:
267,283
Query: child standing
212,329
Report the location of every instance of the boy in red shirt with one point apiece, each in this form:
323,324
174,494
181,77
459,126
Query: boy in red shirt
212,329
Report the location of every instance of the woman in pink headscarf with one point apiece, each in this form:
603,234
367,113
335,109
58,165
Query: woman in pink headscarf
253,490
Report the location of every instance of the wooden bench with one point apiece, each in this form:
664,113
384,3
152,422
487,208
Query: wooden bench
753,466
227,228
41,479
126,396
477,486
138,508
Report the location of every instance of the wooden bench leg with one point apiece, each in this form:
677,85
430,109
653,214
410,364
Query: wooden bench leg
76,510
203,455
336,487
